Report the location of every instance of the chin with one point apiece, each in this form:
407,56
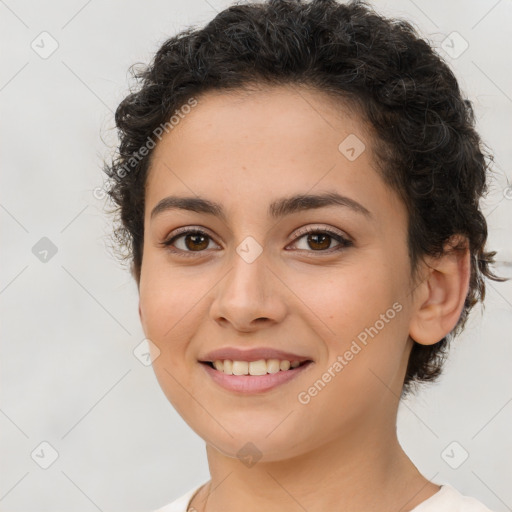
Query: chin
263,444
250,452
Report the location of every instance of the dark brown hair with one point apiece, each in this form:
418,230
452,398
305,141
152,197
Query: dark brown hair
423,129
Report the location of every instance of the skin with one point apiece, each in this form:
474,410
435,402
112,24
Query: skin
339,451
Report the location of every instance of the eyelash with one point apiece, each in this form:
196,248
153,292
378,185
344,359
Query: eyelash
344,242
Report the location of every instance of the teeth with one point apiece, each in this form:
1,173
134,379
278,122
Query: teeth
240,367
260,367
273,365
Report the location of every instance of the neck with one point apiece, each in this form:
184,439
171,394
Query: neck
337,475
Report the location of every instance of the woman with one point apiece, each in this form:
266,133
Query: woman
298,187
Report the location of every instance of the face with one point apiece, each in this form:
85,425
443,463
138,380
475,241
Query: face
325,282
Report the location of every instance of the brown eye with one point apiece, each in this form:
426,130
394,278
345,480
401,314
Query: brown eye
196,242
320,240
188,241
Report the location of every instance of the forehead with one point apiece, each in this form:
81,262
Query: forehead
299,109
272,123
257,144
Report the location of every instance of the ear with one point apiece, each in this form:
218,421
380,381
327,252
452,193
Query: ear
439,299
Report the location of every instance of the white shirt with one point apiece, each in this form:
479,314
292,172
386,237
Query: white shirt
447,499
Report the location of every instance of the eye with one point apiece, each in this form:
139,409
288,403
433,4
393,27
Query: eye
187,241
320,240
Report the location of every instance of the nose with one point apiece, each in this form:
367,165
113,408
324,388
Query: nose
249,297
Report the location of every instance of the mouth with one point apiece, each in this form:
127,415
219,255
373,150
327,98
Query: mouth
254,377
255,368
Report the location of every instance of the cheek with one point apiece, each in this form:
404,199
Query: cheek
166,294
346,301
361,316
168,313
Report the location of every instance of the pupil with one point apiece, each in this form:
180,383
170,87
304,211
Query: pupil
319,235
195,244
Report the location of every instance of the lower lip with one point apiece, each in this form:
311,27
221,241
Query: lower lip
253,383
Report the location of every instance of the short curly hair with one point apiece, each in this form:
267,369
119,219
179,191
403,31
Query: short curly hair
424,131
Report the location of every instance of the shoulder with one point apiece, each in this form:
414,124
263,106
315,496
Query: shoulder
181,503
449,499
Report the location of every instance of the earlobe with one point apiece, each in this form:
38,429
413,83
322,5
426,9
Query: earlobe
441,299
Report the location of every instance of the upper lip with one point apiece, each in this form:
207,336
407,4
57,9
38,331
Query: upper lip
252,354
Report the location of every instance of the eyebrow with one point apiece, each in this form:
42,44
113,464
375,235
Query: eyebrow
277,209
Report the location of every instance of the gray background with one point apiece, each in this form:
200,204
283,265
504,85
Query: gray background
70,323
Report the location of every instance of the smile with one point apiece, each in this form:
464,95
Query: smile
254,376
260,367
